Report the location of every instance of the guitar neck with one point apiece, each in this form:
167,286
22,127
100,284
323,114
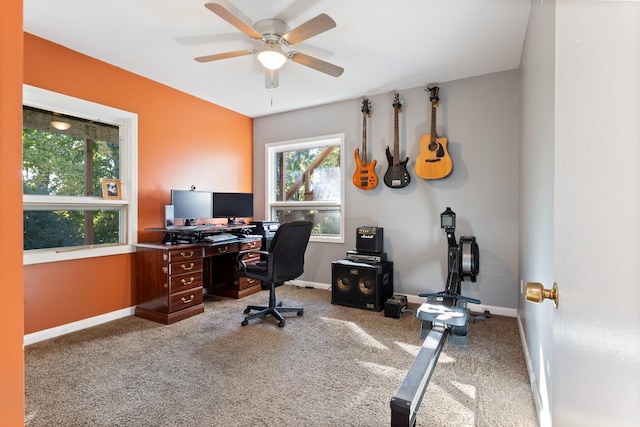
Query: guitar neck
396,139
363,155
434,105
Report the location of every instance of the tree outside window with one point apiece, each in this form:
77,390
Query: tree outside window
306,181
68,163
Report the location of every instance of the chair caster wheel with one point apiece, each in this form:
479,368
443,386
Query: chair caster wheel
245,323
281,324
300,313
247,310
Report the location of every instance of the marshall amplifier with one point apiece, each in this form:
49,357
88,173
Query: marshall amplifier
360,285
369,239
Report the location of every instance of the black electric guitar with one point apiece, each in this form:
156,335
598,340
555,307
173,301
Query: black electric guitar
397,175
365,177
433,161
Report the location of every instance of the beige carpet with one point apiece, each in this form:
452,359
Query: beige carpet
334,366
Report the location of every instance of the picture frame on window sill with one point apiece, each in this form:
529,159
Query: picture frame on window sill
111,189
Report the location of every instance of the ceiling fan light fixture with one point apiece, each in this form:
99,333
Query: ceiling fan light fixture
271,57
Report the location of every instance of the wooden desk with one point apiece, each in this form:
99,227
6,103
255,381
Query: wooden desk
172,280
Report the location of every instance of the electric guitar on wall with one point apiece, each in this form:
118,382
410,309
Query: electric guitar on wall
365,177
433,161
397,175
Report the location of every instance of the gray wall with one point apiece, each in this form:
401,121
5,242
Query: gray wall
537,192
480,118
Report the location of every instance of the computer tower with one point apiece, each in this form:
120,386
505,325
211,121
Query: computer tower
266,229
360,285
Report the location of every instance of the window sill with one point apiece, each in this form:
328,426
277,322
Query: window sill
67,254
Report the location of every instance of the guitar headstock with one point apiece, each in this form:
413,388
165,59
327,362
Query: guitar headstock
396,102
366,107
434,95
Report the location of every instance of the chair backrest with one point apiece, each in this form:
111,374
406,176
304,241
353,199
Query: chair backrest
287,250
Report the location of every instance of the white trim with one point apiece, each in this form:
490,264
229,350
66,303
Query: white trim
300,144
76,326
544,417
128,123
415,299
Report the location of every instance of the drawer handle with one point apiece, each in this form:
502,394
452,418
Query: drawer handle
187,301
252,245
188,282
186,255
185,268
251,281
223,250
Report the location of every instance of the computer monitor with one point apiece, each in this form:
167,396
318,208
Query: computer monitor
232,206
191,205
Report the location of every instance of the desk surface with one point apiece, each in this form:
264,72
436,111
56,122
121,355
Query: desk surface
171,246
212,228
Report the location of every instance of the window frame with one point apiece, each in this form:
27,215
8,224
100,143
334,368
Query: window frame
128,122
271,149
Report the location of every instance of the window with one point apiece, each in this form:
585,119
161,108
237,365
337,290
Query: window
305,180
69,146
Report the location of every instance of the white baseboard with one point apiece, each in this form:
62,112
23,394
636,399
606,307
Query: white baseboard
76,326
415,299
104,318
544,417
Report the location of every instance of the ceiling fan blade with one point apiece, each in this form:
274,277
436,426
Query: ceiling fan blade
233,20
225,55
316,64
312,27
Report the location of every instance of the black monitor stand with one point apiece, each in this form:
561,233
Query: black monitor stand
190,221
234,221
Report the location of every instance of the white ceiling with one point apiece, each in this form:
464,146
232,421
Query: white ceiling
382,45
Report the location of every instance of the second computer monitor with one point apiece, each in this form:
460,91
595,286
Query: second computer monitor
233,206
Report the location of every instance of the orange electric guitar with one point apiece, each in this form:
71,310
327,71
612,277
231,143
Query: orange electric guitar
433,161
365,177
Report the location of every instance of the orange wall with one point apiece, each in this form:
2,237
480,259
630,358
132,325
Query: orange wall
11,315
182,141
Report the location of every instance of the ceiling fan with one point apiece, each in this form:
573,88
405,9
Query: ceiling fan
274,34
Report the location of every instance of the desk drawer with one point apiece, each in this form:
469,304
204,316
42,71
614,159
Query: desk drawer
185,299
253,244
221,249
185,281
186,267
251,257
186,254
246,282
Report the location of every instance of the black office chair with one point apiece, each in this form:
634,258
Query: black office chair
283,261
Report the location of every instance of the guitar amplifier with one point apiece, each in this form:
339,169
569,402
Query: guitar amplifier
369,239
359,285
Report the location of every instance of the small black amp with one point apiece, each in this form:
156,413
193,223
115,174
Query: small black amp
395,306
369,239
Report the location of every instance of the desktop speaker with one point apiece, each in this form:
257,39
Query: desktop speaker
168,215
360,285
369,239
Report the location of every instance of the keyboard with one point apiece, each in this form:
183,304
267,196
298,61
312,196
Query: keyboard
222,237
